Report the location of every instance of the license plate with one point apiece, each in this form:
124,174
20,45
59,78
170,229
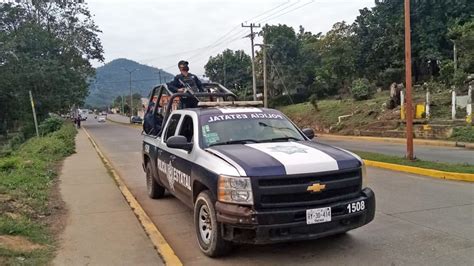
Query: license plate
319,215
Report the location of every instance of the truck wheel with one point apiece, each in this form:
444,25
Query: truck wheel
155,190
208,230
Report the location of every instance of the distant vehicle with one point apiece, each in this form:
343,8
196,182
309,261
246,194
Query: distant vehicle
101,119
83,114
249,173
136,120
103,113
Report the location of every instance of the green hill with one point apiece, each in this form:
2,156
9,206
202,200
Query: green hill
112,80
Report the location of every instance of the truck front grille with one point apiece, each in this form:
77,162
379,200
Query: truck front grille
291,191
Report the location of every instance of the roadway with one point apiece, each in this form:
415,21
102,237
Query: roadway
419,220
422,152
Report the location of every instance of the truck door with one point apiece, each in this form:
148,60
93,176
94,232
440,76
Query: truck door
166,157
182,161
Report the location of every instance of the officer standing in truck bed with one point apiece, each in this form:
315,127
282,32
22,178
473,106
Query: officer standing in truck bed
185,78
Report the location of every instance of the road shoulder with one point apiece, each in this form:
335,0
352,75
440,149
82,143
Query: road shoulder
101,228
425,142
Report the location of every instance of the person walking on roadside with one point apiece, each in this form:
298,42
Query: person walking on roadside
78,121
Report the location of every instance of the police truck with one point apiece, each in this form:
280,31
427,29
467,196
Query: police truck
249,173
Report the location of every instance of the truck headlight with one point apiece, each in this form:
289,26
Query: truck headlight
236,190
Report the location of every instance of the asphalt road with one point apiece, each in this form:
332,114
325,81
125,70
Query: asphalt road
419,220
423,152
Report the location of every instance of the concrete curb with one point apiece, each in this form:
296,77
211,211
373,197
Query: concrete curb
422,171
427,142
158,240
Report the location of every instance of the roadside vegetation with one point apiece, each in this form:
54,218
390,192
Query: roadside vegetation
465,134
30,207
46,48
457,168
349,70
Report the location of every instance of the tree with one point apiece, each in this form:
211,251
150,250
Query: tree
463,36
337,68
230,68
46,48
283,57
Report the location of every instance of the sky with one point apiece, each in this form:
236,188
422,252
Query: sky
159,33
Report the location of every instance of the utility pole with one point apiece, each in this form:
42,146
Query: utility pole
409,101
265,85
34,113
159,73
123,109
130,85
455,52
252,36
224,70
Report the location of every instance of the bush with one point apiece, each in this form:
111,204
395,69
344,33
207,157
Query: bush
284,100
446,72
313,100
26,176
361,89
50,125
391,75
465,134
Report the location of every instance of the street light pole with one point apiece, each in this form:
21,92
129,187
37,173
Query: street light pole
409,109
130,85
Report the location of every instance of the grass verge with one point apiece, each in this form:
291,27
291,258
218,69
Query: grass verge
456,168
464,134
27,178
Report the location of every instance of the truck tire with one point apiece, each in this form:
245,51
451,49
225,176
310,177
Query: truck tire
208,230
154,190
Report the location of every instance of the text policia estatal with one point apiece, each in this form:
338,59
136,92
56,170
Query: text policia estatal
216,118
174,175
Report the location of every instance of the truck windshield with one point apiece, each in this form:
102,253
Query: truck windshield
246,127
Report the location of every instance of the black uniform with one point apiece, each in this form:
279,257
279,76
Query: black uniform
191,80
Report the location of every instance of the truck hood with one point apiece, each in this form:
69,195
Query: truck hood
285,158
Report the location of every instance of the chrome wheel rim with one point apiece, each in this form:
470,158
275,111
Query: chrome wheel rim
205,225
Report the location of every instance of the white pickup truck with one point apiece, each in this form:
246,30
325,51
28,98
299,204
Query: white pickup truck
249,174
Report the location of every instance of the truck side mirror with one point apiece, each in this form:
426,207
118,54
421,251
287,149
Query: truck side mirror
179,142
309,133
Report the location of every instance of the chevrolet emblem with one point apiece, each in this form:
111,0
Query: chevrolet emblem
316,187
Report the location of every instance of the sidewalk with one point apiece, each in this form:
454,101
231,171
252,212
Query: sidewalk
101,229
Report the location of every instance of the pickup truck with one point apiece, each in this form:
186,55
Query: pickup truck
249,173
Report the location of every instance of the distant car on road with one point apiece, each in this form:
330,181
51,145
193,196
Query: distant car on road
101,119
136,120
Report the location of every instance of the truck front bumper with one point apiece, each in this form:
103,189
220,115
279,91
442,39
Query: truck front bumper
244,225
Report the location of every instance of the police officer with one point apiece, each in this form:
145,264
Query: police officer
177,85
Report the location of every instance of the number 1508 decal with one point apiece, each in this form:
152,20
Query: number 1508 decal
356,206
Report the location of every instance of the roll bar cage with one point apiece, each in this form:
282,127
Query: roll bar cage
163,89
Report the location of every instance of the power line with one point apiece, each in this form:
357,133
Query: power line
276,12
222,40
250,19
281,79
290,11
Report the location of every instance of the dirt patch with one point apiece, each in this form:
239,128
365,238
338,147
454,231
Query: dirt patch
18,244
56,214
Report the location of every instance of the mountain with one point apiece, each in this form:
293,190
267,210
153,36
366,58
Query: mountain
112,80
